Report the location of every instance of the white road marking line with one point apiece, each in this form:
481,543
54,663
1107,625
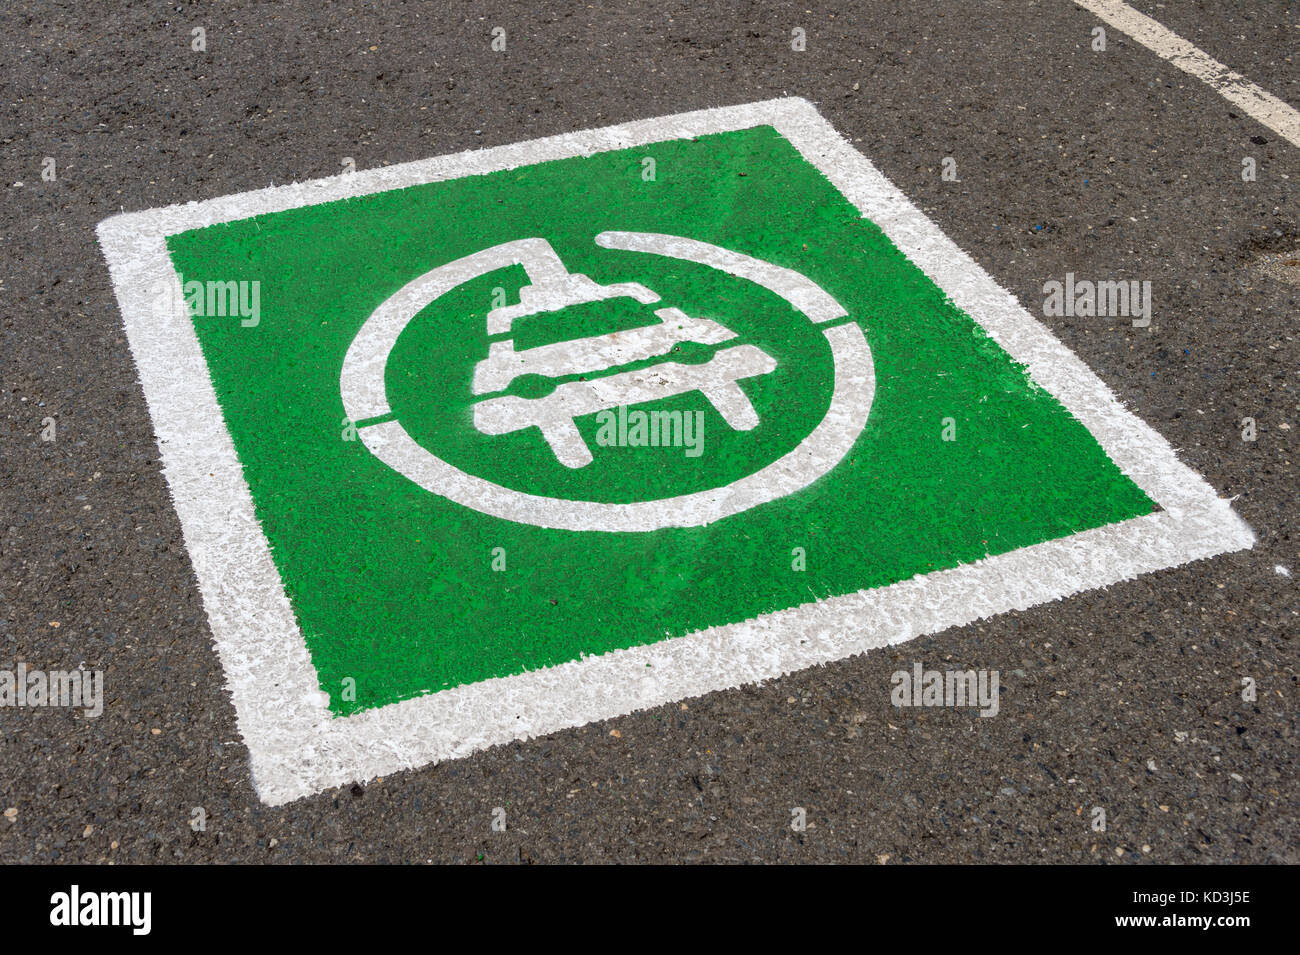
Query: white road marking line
1258,103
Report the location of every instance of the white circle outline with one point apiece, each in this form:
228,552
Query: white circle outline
362,387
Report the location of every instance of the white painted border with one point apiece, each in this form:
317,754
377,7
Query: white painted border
297,748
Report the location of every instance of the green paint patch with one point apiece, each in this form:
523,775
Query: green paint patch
394,587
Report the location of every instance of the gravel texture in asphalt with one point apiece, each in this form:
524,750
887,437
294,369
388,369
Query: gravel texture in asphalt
1105,164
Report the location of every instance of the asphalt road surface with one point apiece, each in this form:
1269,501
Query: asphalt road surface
1101,163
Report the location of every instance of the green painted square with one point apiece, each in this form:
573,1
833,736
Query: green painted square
394,586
